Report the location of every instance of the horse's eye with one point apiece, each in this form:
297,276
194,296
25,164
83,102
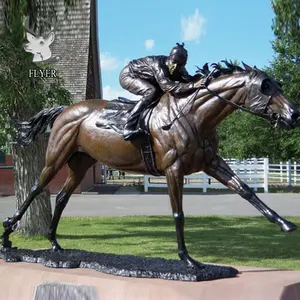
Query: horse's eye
266,86
280,86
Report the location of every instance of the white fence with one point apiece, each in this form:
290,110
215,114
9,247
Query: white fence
284,173
256,172
253,172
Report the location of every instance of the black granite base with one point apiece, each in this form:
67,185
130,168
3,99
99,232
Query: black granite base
121,265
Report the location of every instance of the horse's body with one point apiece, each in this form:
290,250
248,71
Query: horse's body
189,145
187,136
84,136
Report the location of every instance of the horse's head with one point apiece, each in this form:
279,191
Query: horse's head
266,98
262,95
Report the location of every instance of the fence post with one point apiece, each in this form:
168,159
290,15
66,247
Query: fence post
266,177
255,162
289,173
245,171
295,172
146,181
104,170
281,178
204,182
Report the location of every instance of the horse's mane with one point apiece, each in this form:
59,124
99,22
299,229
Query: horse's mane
230,68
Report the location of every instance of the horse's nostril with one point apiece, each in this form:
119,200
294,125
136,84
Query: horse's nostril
295,116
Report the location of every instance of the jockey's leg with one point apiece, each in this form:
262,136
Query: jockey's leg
149,92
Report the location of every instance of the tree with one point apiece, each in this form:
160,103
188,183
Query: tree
236,132
243,136
286,65
22,97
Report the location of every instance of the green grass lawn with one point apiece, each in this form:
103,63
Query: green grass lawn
248,241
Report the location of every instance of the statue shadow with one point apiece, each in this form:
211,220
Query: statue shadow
291,292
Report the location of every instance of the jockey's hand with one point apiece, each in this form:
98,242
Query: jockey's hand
200,83
196,77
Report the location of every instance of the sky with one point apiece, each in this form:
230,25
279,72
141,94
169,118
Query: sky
211,30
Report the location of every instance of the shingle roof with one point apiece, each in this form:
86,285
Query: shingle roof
75,38
1,16
76,45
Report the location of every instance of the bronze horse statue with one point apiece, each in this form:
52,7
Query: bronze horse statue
184,140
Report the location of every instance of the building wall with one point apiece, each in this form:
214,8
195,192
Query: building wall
76,45
1,15
7,179
71,45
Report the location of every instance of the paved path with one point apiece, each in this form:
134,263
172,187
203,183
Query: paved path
158,204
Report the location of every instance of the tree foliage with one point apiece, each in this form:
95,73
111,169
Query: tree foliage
21,97
242,135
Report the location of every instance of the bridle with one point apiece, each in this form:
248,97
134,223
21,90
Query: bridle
181,113
263,115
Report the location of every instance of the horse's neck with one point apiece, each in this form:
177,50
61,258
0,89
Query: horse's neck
169,106
200,108
214,110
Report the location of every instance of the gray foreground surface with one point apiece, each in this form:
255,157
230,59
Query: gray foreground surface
126,203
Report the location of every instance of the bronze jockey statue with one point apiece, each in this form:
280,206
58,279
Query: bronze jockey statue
150,77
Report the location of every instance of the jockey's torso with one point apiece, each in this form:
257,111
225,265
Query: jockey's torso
154,69
148,67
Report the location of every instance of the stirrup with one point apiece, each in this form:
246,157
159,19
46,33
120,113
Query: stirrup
133,134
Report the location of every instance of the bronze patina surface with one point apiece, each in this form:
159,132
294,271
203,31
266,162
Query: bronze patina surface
183,131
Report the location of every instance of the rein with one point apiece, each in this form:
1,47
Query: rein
239,106
180,113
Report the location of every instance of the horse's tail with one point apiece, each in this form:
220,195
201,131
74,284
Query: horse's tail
28,130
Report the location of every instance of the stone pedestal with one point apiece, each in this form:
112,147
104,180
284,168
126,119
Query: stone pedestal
21,280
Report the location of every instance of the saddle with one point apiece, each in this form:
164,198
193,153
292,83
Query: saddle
114,116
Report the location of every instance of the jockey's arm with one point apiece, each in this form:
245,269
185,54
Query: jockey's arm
168,85
189,78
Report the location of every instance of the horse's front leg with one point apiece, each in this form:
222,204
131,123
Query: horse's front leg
220,170
174,178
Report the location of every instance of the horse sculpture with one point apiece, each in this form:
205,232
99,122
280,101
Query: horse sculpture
184,141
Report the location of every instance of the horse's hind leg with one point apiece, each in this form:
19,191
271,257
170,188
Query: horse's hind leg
220,170
53,165
78,164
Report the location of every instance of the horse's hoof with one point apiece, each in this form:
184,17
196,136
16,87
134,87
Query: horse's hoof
57,247
197,266
7,222
193,264
5,249
288,226
6,244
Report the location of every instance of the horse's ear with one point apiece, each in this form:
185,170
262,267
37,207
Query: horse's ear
247,68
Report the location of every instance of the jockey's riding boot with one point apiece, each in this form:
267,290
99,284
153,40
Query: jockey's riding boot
130,130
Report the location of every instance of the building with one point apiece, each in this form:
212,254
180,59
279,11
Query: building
76,46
